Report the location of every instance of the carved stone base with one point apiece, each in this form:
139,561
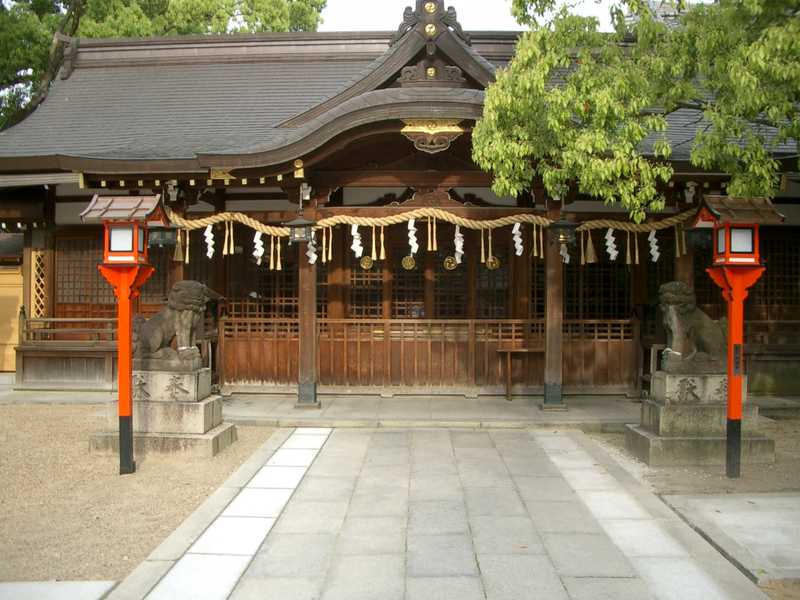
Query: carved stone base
658,451
172,417
676,420
200,445
171,386
685,423
670,388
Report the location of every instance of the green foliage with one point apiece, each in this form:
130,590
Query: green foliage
27,28
582,109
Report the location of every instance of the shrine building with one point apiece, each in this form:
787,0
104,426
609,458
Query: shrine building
418,279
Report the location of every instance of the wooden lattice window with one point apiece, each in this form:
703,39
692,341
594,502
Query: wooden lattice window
80,289
322,289
597,291
408,287
39,288
155,291
200,268
450,287
491,287
777,294
537,297
366,290
272,294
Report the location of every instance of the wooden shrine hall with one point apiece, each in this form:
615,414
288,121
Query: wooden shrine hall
417,277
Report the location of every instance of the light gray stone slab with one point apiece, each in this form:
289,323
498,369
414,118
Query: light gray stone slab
201,577
519,576
365,578
233,535
437,517
434,467
504,501
639,537
531,467
444,588
372,535
435,487
572,459
602,588
684,579
379,502
277,477
257,502
293,555
613,505
278,588
300,441
54,590
596,479
334,466
562,517
505,535
292,458
586,555
472,476
383,476
387,457
390,439
143,579
546,489
326,489
312,517
476,439
440,555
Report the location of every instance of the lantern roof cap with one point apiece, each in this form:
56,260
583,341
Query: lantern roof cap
754,211
124,208
300,221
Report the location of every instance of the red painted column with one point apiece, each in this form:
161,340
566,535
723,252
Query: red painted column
735,281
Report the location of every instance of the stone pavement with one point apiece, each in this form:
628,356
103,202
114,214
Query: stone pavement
353,410
759,532
435,514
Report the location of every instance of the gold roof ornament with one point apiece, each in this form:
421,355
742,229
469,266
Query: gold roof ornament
432,135
450,263
409,263
430,7
220,174
430,29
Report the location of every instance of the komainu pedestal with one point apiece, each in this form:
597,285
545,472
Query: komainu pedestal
684,423
684,420
173,408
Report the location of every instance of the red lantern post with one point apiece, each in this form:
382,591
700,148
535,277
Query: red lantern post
737,267
125,266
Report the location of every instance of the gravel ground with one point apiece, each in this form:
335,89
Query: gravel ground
66,514
781,476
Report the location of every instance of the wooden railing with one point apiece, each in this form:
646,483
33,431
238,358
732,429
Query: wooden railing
428,353
53,331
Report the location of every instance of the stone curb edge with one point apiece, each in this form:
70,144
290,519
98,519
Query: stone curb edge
144,577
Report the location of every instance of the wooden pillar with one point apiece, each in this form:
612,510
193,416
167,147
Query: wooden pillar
336,278
554,319
307,319
307,315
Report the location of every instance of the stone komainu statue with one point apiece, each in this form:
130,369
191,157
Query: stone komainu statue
695,342
181,319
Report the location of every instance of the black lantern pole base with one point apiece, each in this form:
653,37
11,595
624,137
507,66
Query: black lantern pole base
126,463
733,449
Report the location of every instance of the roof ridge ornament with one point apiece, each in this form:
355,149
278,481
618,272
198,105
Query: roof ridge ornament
430,18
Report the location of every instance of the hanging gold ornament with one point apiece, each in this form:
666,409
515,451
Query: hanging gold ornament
492,263
409,263
367,262
450,263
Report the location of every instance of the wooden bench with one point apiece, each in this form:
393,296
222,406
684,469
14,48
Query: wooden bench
512,351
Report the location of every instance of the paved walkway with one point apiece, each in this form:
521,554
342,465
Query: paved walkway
430,411
760,532
435,514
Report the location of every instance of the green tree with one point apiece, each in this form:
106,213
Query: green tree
581,108
32,33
